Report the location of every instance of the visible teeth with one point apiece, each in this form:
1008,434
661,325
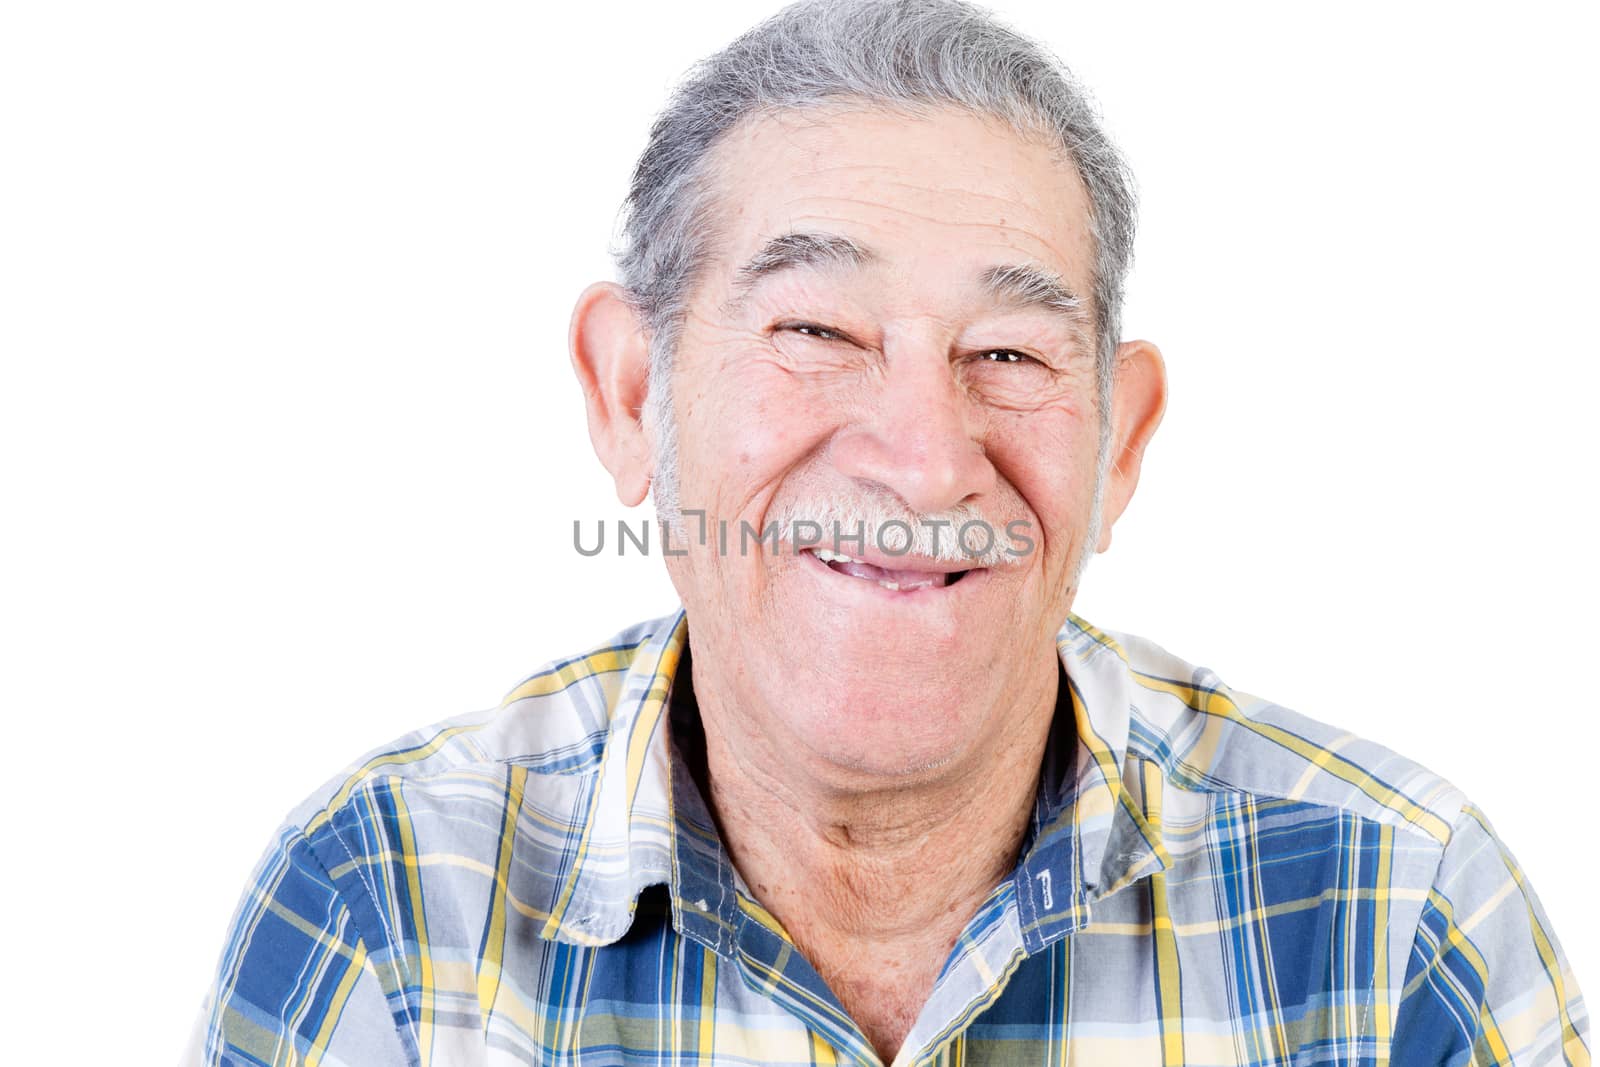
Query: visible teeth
834,557
908,586
890,585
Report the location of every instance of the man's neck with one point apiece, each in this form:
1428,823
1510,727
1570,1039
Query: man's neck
874,884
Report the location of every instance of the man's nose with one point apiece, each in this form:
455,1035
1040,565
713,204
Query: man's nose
916,436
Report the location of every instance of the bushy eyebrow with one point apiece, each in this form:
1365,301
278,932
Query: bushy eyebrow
827,251
1021,285
1026,285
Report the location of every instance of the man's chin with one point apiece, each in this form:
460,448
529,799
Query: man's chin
884,726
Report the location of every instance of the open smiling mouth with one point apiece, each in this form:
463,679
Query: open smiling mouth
915,574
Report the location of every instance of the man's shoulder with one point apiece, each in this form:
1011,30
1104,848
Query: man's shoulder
513,812
551,730
1211,738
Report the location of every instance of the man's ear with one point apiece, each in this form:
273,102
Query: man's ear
611,356
1138,399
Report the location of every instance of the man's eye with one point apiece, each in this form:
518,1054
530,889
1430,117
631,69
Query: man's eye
1005,355
808,329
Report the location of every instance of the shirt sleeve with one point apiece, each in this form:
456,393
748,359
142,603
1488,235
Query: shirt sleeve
296,984
1487,982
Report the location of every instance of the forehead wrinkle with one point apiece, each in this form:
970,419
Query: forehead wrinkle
1010,198
890,178
814,203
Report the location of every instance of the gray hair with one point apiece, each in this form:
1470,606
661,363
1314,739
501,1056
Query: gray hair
907,55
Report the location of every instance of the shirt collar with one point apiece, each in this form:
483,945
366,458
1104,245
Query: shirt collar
1089,837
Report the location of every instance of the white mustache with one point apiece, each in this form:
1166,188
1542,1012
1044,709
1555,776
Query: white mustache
899,531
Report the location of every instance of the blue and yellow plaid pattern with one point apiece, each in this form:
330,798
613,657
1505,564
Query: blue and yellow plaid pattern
1209,879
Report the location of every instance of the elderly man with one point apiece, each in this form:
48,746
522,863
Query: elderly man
875,795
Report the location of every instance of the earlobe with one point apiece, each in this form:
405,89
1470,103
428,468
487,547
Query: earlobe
1138,400
610,356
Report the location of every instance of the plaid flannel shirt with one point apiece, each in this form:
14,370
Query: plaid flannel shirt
1209,879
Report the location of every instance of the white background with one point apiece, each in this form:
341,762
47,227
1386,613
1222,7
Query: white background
292,451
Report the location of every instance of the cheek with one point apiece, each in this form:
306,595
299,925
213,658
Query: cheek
741,437
1048,457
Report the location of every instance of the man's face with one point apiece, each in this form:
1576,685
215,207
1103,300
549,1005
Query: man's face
903,380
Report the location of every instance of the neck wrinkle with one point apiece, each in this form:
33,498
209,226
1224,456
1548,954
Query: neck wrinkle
877,867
